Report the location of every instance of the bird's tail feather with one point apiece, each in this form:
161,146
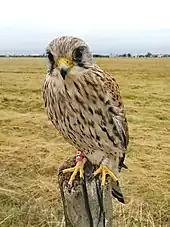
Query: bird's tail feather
116,191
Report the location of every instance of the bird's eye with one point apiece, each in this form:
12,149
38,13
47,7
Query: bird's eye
51,60
50,56
78,53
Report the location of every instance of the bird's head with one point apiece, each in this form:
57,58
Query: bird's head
67,53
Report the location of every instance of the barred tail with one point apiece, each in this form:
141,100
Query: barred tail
116,191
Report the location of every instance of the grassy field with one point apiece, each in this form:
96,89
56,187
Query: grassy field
31,150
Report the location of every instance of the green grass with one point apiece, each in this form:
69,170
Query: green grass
31,149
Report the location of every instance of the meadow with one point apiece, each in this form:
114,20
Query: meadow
31,149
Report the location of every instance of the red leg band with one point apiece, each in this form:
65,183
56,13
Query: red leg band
79,157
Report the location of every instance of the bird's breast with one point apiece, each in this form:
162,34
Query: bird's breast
78,112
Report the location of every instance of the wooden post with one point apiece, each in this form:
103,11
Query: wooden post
83,204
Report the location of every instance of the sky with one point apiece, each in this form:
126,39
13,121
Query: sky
107,26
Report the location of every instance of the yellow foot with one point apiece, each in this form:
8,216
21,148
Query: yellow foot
104,170
116,190
78,168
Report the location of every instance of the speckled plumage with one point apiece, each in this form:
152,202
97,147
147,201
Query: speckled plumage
86,106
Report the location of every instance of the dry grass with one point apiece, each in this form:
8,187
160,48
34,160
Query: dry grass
31,150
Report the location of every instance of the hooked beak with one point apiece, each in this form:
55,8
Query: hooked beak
64,65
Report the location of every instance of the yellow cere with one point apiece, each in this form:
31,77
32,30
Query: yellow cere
64,61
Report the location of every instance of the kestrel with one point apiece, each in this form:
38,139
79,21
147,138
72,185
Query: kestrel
84,104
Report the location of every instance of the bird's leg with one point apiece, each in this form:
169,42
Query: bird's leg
78,168
104,170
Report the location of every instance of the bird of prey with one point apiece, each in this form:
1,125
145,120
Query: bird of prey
84,104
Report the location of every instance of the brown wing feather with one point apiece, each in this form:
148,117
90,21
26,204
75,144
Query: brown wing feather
117,110
118,114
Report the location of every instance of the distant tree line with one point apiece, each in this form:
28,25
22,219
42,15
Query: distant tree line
44,55
148,55
23,55
100,56
128,55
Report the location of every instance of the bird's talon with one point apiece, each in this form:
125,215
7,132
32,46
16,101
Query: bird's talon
68,170
104,170
78,168
81,181
117,183
69,188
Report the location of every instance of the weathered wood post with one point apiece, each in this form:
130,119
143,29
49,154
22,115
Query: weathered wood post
83,204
